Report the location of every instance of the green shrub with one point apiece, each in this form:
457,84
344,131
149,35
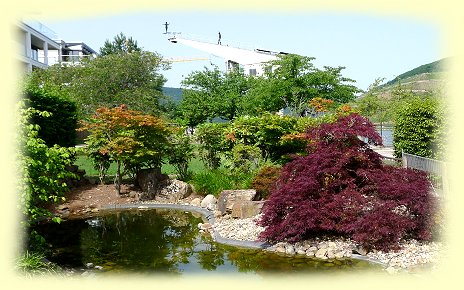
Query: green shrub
420,128
60,127
264,132
244,158
180,152
216,180
43,169
211,137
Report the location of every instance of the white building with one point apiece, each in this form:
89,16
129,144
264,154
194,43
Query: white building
73,52
39,48
35,48
252,61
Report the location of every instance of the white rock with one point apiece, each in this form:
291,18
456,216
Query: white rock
309,253
321,253
196,202
301,252
289,250
208,201
330,254
391,270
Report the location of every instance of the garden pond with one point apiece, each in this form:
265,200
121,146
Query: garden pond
168,241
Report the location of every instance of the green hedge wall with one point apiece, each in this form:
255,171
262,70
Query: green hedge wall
420,128
60,127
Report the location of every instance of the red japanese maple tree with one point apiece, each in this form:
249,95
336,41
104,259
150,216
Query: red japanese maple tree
342,188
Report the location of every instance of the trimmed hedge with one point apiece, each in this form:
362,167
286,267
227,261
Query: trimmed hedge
420,128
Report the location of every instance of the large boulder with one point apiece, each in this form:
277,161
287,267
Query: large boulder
209,202
151,181
174,191
246,208
227,198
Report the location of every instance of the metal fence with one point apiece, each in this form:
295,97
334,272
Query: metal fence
428,165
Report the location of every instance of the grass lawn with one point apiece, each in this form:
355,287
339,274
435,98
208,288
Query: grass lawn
205,181
84,162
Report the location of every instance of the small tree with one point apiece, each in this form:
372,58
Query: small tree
180,153
211,137
127,137
342,188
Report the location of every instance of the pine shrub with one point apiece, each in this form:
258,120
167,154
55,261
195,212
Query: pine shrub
342,188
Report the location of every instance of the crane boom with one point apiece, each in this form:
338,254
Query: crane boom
185,59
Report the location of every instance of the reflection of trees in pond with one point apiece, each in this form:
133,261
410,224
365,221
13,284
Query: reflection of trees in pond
141,240
244,259
212,256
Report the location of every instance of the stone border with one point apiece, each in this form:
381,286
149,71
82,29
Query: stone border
209,216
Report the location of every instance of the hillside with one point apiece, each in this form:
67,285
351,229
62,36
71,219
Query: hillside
422,79
438,66
174,94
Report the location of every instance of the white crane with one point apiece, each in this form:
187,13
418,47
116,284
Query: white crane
251,60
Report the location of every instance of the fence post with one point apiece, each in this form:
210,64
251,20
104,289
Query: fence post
404,159
444,179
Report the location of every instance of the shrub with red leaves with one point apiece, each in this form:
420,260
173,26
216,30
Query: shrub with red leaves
265,180
342,188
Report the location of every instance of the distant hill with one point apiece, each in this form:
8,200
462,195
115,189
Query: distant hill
429,68
422,79
175,94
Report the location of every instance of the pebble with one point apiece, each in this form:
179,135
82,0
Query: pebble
412,253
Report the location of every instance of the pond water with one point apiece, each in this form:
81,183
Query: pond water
168,241
386,132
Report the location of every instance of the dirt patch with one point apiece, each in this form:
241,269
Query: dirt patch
89,199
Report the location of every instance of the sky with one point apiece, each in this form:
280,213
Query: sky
367,45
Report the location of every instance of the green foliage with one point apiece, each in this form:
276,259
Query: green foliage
211,93
244,158
266,133
180,152
420,128
297,81
216,180
43,170
374,106
60,126
34,263
127,137
120,45
264,95
211,137
133,79
290,81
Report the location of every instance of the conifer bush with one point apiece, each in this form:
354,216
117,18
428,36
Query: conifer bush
342,188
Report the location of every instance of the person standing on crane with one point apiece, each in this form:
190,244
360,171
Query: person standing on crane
166,26
219,38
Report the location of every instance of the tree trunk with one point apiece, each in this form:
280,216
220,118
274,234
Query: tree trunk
117,180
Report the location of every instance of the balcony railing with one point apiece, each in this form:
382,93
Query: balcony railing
67,59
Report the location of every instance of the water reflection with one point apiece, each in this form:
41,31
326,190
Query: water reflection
165,241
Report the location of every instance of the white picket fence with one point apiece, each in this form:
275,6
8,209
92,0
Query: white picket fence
428,165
